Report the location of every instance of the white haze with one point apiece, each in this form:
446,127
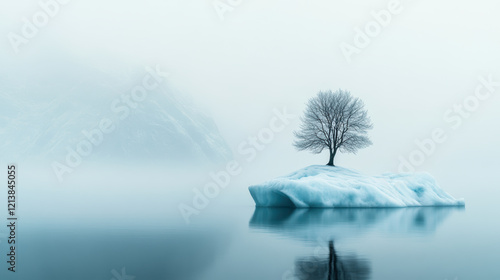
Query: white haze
275,54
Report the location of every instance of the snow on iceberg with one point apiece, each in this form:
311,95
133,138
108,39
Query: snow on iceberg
327,186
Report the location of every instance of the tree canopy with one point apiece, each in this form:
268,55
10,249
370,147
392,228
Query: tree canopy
334,120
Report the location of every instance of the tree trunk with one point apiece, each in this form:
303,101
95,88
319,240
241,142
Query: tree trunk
332,158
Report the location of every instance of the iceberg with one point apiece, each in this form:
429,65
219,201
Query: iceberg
330,187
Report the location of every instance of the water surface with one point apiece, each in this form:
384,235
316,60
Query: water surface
266,243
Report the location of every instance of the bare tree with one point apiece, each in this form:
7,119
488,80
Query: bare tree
335,121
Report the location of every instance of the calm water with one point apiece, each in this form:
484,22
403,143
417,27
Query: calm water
263,243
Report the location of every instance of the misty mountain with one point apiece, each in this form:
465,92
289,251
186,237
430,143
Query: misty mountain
45,115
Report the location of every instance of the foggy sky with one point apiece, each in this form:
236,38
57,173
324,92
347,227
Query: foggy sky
275,54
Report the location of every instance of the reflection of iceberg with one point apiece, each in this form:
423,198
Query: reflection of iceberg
326,186
334,223
313,225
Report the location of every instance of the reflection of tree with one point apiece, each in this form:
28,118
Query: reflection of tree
309,225
334,268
